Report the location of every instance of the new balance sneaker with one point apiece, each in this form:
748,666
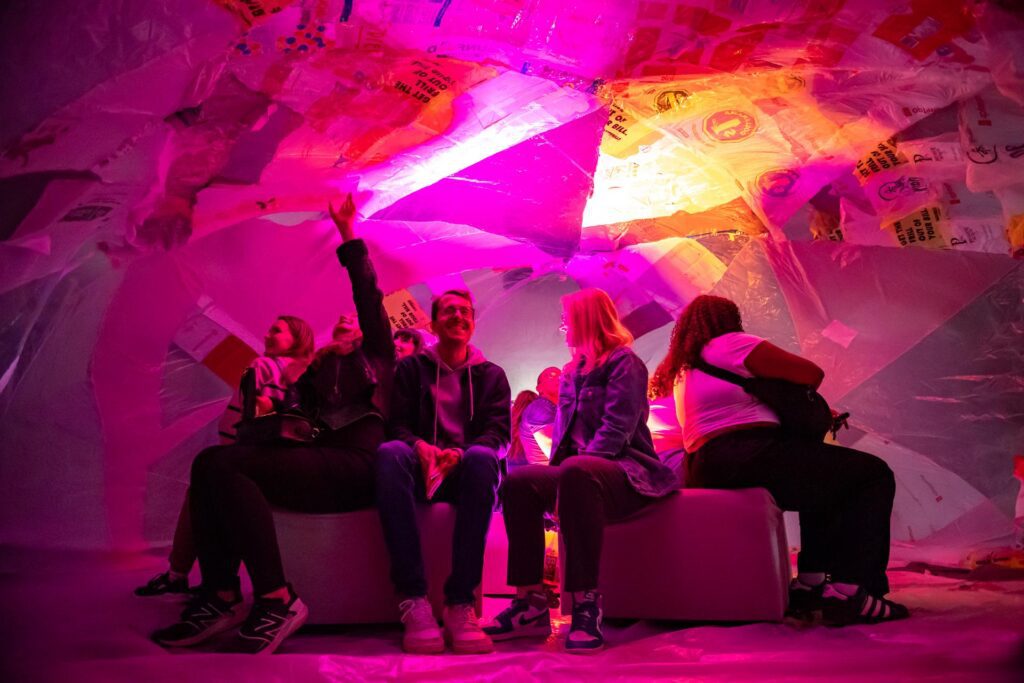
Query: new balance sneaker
527,617
585,635
422,636
462,631
839,609
205,616
164,584
269,622
804,600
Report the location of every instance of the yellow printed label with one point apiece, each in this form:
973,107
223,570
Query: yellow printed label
920,229
404,311
882,158
625,132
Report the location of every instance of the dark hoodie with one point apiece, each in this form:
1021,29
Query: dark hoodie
450,408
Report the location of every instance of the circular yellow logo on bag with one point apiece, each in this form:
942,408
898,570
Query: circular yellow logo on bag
730,125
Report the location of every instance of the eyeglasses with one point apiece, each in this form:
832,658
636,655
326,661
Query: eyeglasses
464,311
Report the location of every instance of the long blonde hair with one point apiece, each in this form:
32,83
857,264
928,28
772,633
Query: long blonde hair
593,322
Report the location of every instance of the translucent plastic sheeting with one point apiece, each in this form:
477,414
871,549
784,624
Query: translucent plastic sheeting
965,631
165,187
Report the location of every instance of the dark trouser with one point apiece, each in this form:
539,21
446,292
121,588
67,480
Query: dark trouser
844,497
183,547
234,487
590,492
471,486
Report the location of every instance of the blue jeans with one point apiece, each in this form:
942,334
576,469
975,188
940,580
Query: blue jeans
471,486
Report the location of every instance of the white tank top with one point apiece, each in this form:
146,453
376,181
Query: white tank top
705,404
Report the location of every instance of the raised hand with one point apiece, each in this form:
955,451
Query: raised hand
343,217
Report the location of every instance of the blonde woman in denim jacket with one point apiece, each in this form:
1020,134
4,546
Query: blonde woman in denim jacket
603,468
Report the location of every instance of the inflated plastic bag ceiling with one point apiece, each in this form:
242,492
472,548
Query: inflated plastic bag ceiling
852,173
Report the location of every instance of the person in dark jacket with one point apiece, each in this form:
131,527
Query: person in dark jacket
344,392
449,418
603,468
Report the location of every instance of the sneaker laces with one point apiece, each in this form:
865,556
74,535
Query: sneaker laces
417,614
463,618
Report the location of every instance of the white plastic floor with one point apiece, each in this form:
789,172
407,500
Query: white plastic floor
72,617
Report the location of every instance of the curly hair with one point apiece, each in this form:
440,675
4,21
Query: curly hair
705,318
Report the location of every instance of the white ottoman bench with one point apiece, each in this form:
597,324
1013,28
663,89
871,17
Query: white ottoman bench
339,565
699,555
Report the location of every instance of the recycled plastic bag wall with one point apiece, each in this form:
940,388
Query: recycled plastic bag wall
852,173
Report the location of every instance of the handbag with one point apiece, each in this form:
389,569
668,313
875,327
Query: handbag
293,427
276,426
803,412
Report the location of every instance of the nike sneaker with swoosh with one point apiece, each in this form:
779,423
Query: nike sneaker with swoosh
527,617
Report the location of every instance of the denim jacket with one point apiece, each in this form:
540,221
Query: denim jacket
611,402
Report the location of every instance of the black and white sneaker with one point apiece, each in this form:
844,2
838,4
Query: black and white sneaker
585,636
527,617
164,584
269,623
205,616
839,609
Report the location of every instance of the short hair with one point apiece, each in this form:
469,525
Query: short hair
435,305
546,371
302,333
411,335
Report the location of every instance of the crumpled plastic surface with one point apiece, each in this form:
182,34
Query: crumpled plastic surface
961,630
849,172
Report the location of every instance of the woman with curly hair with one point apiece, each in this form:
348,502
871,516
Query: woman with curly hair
844,496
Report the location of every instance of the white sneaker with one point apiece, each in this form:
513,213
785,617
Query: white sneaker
422,636
463,632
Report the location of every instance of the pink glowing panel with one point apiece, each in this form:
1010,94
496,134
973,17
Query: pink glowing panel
534,191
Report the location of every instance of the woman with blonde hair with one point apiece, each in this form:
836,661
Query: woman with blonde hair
603,468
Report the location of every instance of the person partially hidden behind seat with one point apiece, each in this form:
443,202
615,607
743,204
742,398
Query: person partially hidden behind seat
844,497
344,391
533,418
449,418
603,468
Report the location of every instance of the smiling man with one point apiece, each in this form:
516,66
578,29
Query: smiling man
450,411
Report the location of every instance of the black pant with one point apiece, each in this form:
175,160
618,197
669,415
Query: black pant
844,497
590,492
233,488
